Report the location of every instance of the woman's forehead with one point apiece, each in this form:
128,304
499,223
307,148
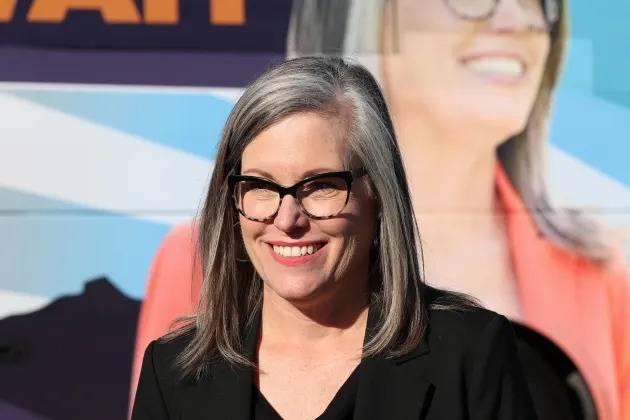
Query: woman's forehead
299,143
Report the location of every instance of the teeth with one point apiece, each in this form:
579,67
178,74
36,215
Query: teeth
295,251
497,66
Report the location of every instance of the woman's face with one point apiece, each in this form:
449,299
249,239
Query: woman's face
299,146
481,74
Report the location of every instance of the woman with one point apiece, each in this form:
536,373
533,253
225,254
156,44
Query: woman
313,302
470,85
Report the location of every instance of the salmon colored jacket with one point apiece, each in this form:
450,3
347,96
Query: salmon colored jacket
583,307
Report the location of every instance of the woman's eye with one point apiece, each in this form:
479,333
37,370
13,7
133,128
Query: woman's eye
322,189
258,186
325,186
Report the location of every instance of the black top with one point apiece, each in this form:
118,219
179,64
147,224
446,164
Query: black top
466,367
340,408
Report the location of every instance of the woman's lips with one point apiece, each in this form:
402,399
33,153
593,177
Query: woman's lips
296,254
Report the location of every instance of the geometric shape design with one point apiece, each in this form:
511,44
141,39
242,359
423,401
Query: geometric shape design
48,254
190,122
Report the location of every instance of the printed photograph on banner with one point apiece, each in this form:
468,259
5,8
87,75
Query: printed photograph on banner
512,118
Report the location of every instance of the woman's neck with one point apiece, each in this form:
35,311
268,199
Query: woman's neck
451,176
452,179
313,325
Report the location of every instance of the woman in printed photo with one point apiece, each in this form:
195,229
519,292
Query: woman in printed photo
470,85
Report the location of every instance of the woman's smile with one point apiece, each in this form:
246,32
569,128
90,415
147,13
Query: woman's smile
499,68
298,253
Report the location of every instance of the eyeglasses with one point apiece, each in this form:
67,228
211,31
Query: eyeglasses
483,9
319,196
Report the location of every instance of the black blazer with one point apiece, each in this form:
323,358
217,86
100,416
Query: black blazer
466,368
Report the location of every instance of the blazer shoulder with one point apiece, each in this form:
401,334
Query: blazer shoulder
164,352
465,327
472,362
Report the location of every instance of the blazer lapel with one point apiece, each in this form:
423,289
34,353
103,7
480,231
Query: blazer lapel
388,390
225,392
545,276
392,388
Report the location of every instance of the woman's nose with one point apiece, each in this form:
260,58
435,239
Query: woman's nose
289,216
517,15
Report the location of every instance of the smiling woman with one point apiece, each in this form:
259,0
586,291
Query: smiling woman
287,151
313,304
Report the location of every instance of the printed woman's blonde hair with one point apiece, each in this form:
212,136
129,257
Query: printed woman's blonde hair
354,28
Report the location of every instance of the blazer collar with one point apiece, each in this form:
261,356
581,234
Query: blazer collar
540,265
376,312
392,388
225,391
387,388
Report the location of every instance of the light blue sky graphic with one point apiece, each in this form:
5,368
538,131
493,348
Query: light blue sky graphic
52,251
605,25
190,122
592,129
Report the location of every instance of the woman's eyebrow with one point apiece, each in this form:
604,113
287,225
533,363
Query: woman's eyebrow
305,174
257,172
317,171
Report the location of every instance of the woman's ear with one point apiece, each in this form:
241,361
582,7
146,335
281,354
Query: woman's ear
241,253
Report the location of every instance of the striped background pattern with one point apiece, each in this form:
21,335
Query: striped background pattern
92,176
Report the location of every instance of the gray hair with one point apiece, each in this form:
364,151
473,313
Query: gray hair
357,28
232,290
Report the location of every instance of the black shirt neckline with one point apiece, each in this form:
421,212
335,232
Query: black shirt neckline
341,407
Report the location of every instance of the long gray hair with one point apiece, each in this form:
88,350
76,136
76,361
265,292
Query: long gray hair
353,28
232,291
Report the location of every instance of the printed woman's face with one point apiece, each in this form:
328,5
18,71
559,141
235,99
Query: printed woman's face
482,74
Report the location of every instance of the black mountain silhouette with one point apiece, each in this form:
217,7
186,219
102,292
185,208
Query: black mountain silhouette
71,359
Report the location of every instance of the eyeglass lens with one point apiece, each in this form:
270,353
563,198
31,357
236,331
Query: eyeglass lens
481,9
323,197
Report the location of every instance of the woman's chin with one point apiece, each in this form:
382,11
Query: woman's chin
497,115
492,117
296,289
496,124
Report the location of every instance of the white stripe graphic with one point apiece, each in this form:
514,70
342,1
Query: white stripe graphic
60,156
575,184
57,155
230,94
15,303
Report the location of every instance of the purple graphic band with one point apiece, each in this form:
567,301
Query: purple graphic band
216,69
